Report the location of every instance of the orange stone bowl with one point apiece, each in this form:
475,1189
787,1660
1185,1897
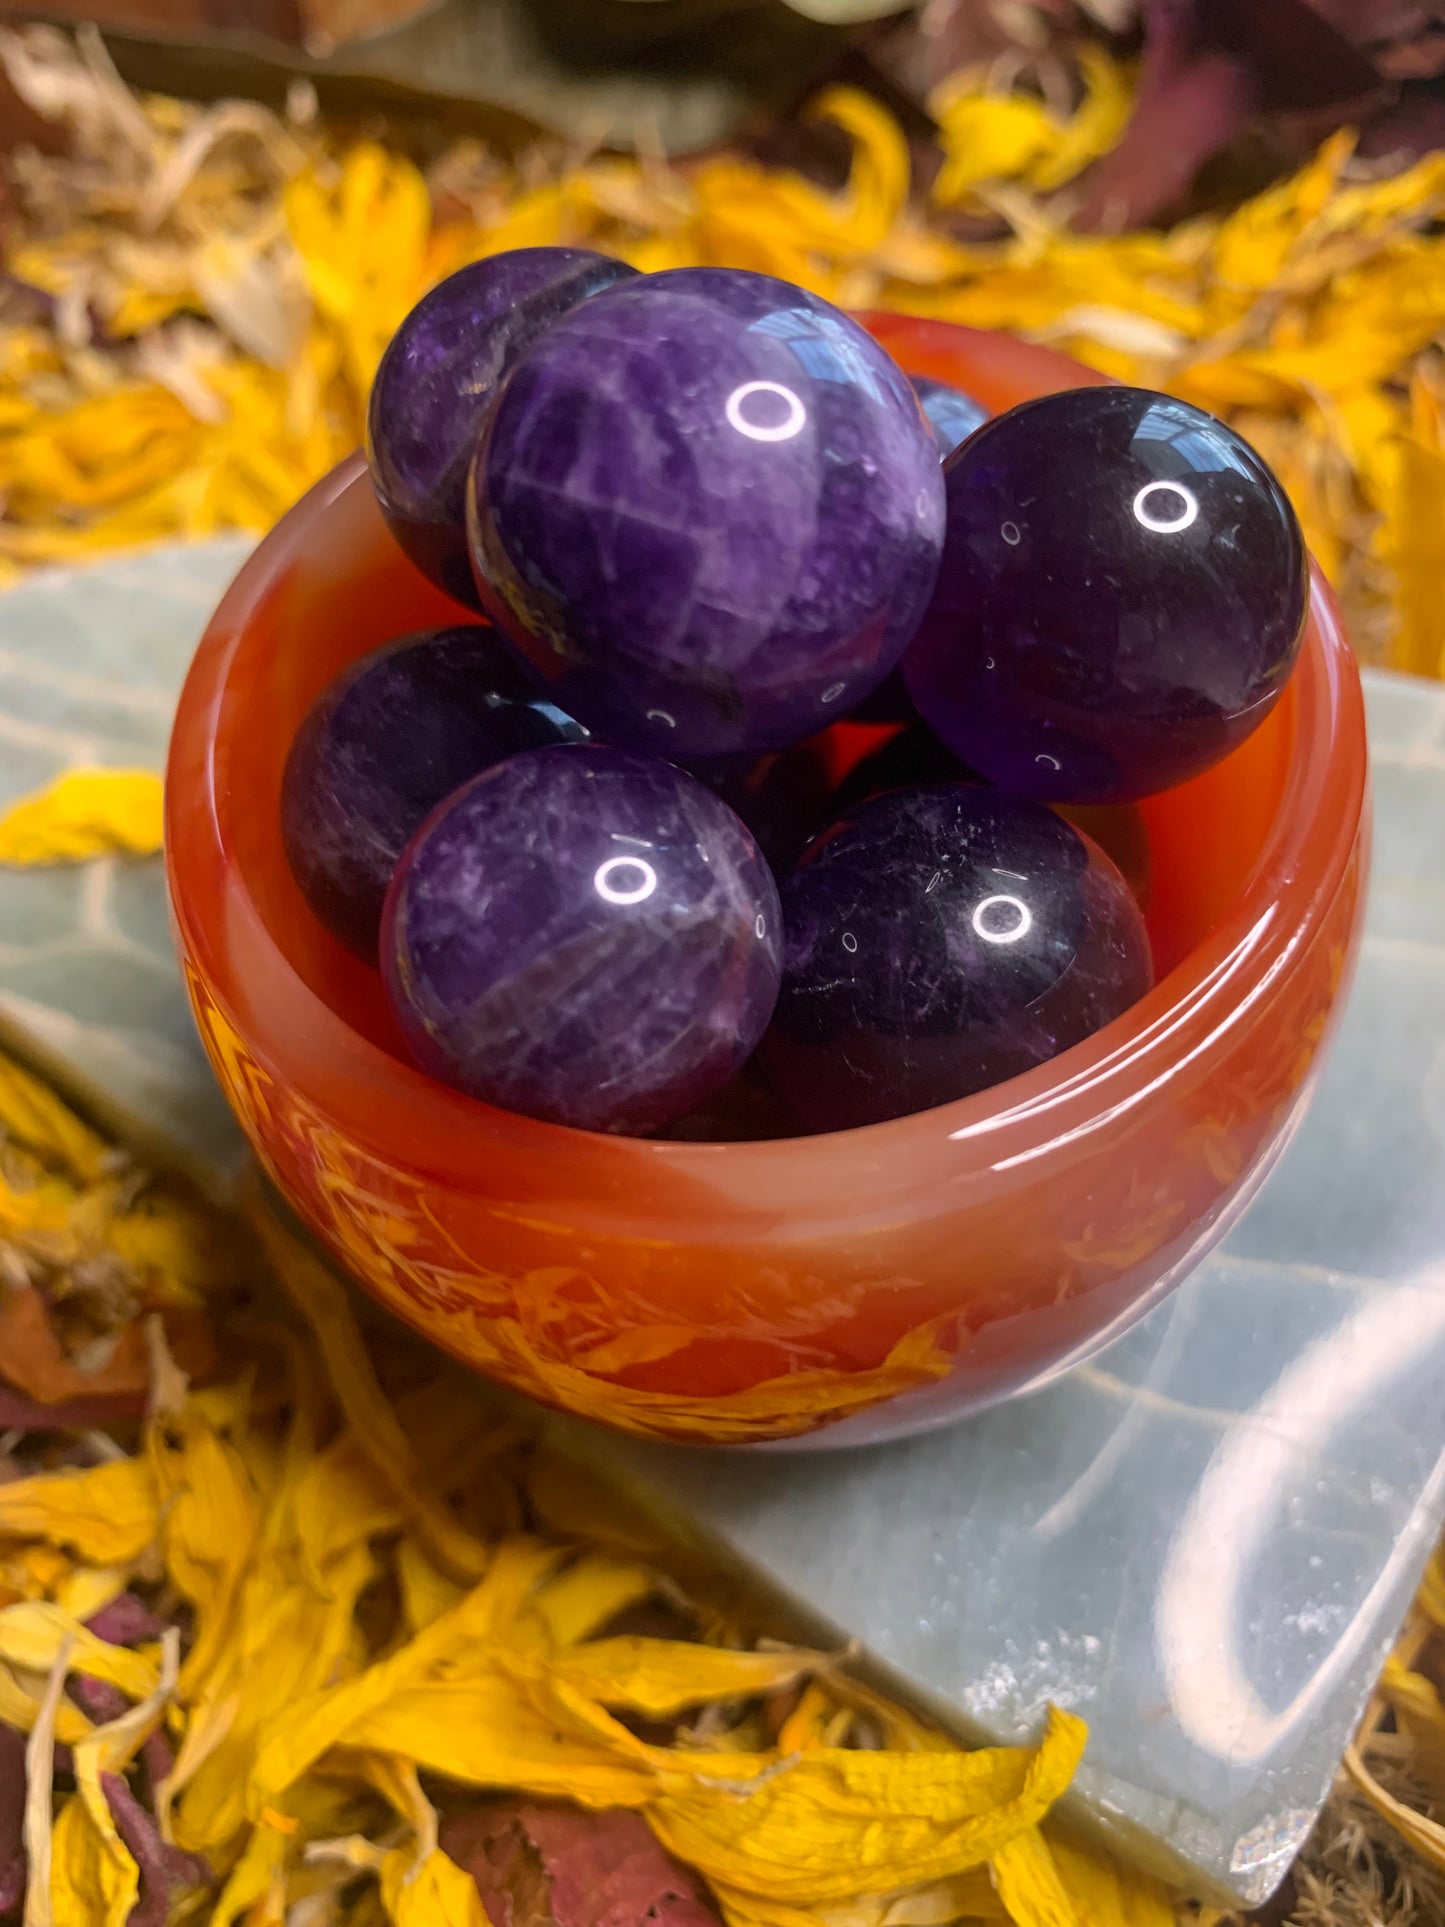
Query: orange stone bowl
843,1288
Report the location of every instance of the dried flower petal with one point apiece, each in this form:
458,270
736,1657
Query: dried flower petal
435,1894
83,814
108,1513
332,1662
537,1866
663,1677
39,1770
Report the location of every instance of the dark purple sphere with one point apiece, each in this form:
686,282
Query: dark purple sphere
436,383
941,940
951,414
389,739
707,507
584,935
1121,599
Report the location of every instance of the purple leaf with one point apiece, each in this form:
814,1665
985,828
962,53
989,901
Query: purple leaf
98,1699
12,1819
71,1414
102,1702
125,1622
162,1868
1209,67
159,1757
1302,61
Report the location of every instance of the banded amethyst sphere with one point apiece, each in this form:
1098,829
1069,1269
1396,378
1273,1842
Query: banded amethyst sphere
951,414
1121,599
709,511
393,736
437,381
583,935
941,940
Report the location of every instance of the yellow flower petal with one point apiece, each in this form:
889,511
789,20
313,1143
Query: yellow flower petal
33,1634
1027,1881
108,1513
435,1894
1095,125
83,814
807,1830
664,1677
99,1864
988,138
322,1300
94,1882
593,1590
31,1114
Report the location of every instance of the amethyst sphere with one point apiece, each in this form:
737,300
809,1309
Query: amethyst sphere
389,739
436,383
583,935
938,941
709,511
1121,598
951,414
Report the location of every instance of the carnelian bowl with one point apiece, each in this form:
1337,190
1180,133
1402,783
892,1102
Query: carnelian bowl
834,1289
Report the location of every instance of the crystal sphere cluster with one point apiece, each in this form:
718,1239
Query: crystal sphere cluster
752,779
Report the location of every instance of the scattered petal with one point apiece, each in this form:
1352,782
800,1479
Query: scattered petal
85,813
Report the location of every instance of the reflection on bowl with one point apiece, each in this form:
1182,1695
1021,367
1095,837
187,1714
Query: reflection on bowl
871,1282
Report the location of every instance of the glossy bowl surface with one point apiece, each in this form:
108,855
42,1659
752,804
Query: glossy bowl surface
848,1287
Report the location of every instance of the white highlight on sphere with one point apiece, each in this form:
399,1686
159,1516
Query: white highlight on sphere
1163,524
1023,919
622,891
782,431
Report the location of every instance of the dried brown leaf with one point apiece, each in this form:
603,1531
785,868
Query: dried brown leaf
36,1364
556,1866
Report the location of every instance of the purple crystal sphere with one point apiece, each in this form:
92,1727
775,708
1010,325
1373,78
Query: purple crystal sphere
393,735
1121,599
437,381
938,941
584,935
709,510
951,414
